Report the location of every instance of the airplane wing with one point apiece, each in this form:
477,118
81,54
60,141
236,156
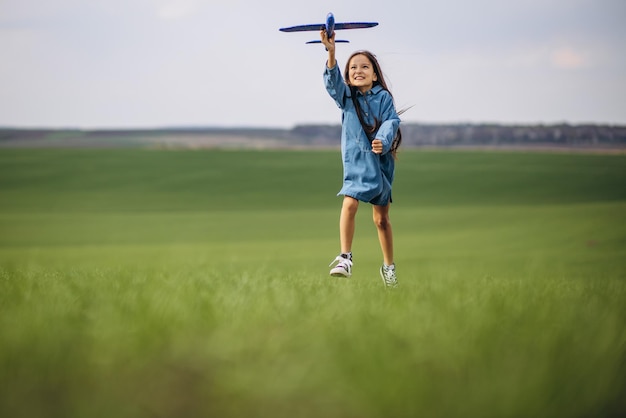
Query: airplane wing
302,28
355,25
338,26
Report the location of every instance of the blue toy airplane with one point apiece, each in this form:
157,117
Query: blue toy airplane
330,26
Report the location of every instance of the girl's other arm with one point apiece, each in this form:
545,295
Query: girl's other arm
388,129
329,43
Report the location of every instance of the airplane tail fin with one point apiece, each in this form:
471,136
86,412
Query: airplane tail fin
336,41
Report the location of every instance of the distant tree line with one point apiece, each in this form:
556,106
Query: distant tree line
413,135
485,135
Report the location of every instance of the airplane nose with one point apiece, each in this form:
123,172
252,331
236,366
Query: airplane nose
330,24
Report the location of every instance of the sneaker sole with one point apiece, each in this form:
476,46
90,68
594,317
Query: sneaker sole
339,274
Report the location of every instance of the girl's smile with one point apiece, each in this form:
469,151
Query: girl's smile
362,74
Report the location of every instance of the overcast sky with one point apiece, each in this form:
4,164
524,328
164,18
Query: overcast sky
158,63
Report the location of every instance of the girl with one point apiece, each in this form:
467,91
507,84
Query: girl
370,137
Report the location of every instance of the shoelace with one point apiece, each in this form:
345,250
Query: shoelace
344,262
389,276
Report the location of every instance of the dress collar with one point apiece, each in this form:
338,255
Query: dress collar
374,90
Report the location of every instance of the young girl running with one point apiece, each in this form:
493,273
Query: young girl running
370,136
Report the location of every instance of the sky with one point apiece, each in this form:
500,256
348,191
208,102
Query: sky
93,64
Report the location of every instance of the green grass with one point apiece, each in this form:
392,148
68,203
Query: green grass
139,283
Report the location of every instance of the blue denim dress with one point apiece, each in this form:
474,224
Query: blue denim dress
366,176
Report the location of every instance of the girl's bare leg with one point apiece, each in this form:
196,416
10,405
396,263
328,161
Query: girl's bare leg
346,223
385,234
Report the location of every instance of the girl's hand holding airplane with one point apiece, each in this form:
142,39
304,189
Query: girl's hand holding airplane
329,43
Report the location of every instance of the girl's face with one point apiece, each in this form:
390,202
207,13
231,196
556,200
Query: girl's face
361,73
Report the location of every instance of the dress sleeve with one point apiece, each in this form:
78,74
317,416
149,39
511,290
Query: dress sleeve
335,85
390,122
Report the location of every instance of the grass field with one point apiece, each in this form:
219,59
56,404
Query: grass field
138,283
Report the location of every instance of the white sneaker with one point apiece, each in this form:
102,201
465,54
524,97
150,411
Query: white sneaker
388,274
343,267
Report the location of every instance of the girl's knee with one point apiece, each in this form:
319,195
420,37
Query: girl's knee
350,205
382,221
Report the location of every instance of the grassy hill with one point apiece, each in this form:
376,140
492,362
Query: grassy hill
153,283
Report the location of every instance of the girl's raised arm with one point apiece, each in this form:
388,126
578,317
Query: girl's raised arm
329,43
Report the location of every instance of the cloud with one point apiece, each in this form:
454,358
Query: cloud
567,58
175,9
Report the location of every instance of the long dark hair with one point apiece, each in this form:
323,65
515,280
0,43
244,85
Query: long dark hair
370,130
